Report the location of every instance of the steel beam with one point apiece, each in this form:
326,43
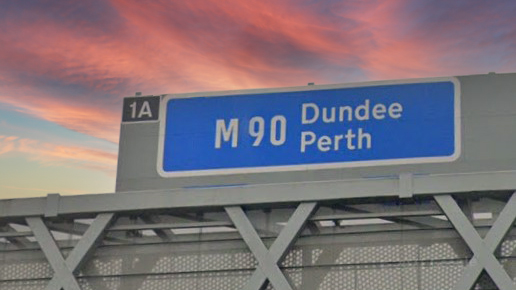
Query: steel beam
253,195
268,259
64,269
15,237
482,248
54,257
161,226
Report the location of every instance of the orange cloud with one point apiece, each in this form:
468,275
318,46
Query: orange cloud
74,71
49,154
84,118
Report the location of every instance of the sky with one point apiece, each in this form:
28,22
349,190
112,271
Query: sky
65,66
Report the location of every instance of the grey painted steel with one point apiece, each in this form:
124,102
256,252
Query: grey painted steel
482,248
15,234
369,215
78,228
85,246
164,233
170,226
268,259
14,237
64,269
61,271
52,204
406,185
394,256
257,194
267,266
487,114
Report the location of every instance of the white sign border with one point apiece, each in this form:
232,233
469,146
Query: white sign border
313,166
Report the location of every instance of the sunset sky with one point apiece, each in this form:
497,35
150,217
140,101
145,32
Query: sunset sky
66,65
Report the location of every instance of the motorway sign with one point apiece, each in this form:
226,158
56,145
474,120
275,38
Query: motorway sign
313,127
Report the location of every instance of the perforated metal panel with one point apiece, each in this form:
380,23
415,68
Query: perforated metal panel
370,267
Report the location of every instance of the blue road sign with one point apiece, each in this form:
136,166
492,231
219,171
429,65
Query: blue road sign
311,128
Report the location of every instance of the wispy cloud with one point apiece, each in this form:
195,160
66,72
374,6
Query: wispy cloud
71,62
49,154
84,118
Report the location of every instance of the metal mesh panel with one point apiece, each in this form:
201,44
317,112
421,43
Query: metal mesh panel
438,251
440,275
335,278
202,281
336,265
10,270
23,285
508,247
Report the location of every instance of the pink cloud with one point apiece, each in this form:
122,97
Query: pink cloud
75,75
71,63
91,120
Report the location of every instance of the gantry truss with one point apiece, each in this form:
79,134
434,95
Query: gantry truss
264,237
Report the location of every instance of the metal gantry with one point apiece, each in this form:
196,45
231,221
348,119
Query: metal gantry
459,241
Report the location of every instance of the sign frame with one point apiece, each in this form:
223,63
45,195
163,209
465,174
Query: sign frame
311,166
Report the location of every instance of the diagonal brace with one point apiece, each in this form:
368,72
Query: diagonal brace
482,249
268,259
64,269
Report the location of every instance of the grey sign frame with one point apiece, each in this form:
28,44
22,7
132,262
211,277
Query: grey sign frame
487,121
